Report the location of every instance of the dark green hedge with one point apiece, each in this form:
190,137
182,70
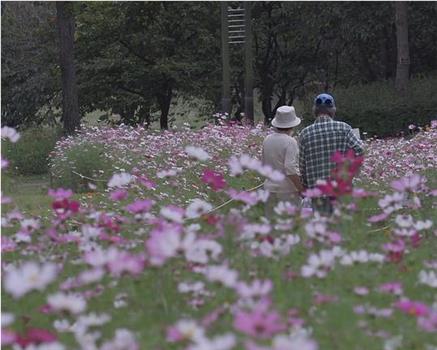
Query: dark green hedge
380,110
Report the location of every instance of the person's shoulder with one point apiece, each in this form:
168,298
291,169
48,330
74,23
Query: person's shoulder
306,131
342,125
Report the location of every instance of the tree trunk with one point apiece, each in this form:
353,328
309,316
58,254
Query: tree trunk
403,52
70,104
164,101
267,110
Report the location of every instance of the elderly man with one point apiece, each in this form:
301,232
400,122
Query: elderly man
319,141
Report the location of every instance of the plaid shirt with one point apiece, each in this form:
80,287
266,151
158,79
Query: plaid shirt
318,142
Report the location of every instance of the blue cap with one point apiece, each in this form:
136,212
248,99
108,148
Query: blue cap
324,100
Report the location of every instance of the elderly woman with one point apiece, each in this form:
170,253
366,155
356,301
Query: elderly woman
281,152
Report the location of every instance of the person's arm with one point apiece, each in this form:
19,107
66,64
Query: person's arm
292,166
295,179
353,142
302,163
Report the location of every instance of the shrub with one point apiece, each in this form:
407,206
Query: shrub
379,110
30,155
85,158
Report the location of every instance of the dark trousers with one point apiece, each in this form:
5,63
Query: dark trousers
324,205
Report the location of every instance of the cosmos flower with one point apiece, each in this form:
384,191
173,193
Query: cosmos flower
29,276
120,180
197,153
10,133
66,302
259,323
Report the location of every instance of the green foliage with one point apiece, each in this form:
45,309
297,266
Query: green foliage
29,64
30,155
143,53
87,159
302,46
378,109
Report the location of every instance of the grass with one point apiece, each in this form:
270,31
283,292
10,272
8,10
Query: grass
153,301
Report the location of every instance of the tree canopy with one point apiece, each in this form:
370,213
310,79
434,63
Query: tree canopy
134,58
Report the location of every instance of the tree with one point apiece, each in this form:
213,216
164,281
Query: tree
145,53
29,64
403,51
70,104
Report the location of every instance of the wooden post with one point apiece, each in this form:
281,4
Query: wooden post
226,99
403,50
248,64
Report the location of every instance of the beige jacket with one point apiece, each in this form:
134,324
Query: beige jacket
281,152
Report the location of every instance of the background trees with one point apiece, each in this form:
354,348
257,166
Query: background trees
134,58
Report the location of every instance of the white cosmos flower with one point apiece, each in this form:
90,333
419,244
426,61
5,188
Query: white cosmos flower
197,208
10,133
173,213
197,152
423,225
29,276
222,274
7,319
202,250
428,278
220,342
296,341
319,264
120,180
124,339
72,303
190,330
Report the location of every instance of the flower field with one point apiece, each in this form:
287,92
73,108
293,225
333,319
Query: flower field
158,241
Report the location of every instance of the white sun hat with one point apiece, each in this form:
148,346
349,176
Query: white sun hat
285,118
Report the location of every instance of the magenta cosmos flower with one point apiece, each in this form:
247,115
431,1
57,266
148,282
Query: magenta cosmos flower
411,307
213,179
259,323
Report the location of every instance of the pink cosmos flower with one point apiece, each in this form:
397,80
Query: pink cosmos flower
391,288
65,208
8,245
8,337
125,262
378,218
213,179
395,250
320,298
118,195
60,194
408,183
36,336
259,323
140,206
249,198
4,163
414,308
146,182
428,323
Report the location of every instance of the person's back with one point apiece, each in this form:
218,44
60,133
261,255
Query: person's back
280,151
318,142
